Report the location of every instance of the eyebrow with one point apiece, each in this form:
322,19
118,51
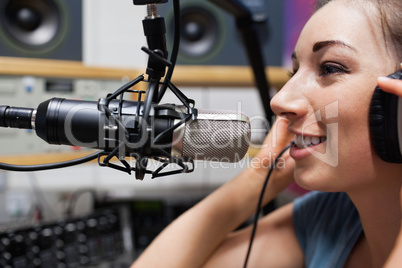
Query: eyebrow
319,45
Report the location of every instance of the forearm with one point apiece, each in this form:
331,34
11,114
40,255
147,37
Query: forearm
189,240
192,238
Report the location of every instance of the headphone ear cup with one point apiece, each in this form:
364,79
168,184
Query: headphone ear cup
384,119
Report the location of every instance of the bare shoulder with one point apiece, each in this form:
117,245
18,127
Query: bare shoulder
275,244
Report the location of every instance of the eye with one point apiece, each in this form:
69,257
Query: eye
331,68
292,73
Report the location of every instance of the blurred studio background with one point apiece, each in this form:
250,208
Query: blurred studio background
92,216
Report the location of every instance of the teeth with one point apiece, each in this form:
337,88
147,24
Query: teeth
315,140
298,141
307,141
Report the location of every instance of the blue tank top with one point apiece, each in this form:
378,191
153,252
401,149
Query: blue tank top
327,227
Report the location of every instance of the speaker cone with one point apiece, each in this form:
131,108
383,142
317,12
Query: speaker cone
34,25
202,32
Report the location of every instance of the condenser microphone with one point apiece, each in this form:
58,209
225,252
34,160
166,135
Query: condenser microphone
222,136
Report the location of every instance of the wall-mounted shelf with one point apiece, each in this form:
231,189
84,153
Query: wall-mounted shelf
208,76
188,76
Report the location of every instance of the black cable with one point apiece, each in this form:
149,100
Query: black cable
260,202
69,163
182,121
175,48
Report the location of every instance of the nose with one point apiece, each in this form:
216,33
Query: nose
290,102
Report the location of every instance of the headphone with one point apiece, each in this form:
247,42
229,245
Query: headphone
385,120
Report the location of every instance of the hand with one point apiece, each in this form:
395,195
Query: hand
390,85
277,139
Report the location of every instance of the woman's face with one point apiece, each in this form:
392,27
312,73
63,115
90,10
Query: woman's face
338,57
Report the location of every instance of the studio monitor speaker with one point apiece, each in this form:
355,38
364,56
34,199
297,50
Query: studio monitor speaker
50,29
209,35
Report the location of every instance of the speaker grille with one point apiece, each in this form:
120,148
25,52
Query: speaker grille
209,35
49,29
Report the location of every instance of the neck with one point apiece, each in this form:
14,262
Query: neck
380,215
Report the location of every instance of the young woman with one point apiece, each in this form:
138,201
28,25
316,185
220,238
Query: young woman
353,216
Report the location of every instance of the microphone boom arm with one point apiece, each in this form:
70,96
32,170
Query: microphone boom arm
246,25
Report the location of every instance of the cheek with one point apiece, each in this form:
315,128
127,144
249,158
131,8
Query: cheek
347,127
354,109
355,150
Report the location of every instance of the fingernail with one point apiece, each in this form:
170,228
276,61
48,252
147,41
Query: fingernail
383,78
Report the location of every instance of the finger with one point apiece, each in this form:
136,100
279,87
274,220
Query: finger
277,139
278,136
390,85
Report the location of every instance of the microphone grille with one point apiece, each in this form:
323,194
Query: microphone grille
220,136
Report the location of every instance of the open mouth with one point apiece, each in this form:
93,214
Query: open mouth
302,141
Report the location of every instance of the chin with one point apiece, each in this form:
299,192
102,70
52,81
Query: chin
315,182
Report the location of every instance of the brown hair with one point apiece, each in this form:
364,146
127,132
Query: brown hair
390,13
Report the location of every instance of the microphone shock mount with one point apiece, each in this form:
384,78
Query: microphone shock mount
154,30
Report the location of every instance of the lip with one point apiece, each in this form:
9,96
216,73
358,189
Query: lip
301,153
303,133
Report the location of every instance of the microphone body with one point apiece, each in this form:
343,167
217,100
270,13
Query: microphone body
221,136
